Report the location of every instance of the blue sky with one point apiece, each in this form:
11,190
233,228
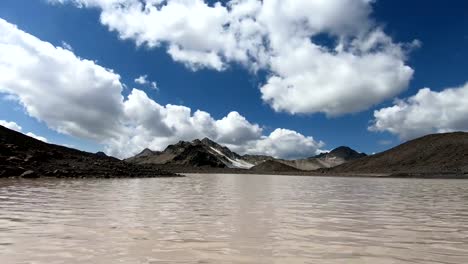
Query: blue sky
439,62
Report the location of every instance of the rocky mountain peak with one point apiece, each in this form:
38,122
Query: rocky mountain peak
197,142
101,154
208,142
342,152
346,153
146,152
178,147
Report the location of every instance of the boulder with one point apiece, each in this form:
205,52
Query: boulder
14,159
30,174
11,171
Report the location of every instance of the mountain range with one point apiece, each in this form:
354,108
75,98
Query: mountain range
207,153
442,155
436,155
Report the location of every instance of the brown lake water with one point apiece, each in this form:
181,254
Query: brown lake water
234,219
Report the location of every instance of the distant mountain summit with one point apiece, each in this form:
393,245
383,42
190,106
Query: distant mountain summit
343,152
145,153
197,153
208,153
330,159
148,152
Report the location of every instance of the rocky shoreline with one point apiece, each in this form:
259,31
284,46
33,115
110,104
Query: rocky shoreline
318,173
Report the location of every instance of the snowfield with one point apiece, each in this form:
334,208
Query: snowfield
237,163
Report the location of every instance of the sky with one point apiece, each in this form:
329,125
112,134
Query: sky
287,78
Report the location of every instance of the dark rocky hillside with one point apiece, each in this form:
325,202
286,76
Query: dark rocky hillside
431,154
273,166
23,156
257,159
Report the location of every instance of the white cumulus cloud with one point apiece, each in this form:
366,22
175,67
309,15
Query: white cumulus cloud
36,137
72,95
11,125
310,80
283,143
67,46
424,113
14,126
282,37
143,80
78,97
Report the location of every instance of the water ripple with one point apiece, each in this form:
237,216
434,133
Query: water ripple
234,219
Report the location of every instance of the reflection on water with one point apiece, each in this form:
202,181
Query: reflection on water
234,219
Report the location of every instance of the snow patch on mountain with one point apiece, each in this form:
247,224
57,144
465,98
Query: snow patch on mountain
234,163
